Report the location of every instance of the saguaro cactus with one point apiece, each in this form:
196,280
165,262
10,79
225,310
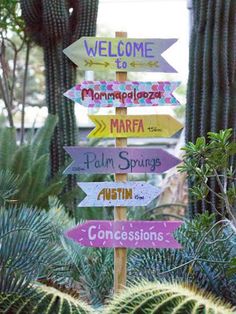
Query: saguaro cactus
211,87
54,25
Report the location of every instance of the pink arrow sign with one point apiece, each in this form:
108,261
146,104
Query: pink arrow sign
126,234
123,94
101,194
119,160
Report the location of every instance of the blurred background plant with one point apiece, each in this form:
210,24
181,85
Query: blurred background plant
24,169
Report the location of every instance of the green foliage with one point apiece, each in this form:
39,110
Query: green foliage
93,273
41,300
10,18
28,167
204,260
204,160
30,249
150,298
8,186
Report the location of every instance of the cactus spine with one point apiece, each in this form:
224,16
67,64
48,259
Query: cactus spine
43,300
54,25
211,86
150,298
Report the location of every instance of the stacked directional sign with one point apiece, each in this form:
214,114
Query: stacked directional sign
122,55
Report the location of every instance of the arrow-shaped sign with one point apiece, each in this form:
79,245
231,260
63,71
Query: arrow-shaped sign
121,54
119,160
123,94
127,234
127,194
134,126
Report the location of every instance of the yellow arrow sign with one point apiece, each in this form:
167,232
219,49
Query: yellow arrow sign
134,126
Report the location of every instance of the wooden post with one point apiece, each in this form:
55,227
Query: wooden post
120,254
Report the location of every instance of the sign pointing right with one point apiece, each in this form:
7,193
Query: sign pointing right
134,126
119,160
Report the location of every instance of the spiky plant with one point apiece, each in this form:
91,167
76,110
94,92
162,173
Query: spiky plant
211,85
8,186
204,259
41,300
27,167
55,25
153,298
92,270
30,249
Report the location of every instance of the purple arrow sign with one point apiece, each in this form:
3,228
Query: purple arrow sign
123,94
101,194
119,160
127,234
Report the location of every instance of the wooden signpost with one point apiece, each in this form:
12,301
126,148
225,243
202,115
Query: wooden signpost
127,194
121,55
134,126
123,94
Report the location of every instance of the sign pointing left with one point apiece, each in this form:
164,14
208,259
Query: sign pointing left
128,234
121,54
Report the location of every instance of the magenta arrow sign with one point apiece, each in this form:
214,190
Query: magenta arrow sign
126,234
119,160
101,194
123,94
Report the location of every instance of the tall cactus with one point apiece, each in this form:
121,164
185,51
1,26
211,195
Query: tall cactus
154,298
211,87
54,25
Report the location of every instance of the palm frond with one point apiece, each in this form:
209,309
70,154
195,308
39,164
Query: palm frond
8,186
30,246
42,138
